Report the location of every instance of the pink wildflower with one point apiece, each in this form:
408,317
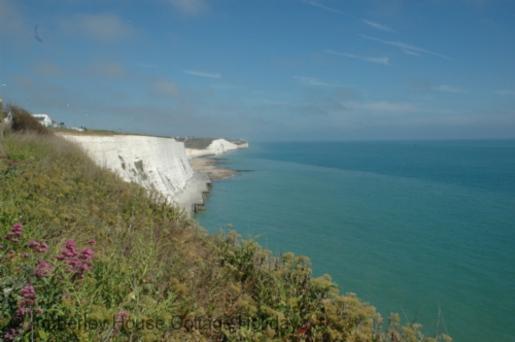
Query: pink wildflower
120,318
11,334
87,254
92,242
15,233
43,269
28,292
28,295
122,315
68,251
79,263
38,246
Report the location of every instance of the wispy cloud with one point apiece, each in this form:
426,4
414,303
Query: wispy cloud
204,74
384,106
446,88
311,81
102,27
323,7
505,92
373,24
407,48
410,52
189,7
375,60
378,26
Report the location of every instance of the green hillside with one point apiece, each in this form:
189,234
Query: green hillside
86,256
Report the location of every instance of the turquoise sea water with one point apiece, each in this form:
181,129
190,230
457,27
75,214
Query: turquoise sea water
425,229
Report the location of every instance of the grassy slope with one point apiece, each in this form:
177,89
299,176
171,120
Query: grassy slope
202,143
153,263
101,132
196,143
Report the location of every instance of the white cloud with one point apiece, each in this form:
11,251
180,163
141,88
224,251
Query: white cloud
407,48
102,27
505,92
204,74
445,88
375,60
378,26
324,7
189,7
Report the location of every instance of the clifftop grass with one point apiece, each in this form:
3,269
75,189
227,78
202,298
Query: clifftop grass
151,264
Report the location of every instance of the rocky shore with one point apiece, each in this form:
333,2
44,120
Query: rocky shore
211,167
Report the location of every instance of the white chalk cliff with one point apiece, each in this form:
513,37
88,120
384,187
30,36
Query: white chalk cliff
216,147
159,164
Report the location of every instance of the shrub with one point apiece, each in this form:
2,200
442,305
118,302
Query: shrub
23,121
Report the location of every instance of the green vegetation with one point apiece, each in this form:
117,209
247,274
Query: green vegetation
84,132
98,252
23,121
202,143
100,132
195,143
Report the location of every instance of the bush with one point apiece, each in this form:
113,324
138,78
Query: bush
23,121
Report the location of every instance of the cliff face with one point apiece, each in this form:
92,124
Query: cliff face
159,164
216,147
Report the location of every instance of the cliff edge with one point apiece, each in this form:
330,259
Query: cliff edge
159,164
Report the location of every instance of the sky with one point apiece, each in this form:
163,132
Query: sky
265,69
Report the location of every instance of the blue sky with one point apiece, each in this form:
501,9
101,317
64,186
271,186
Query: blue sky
266,69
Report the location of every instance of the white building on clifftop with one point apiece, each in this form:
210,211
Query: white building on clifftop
44,119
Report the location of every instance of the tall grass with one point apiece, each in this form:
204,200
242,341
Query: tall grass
149,263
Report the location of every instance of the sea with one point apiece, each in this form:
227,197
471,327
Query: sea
425,229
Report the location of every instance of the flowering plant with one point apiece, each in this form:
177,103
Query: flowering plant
42,283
